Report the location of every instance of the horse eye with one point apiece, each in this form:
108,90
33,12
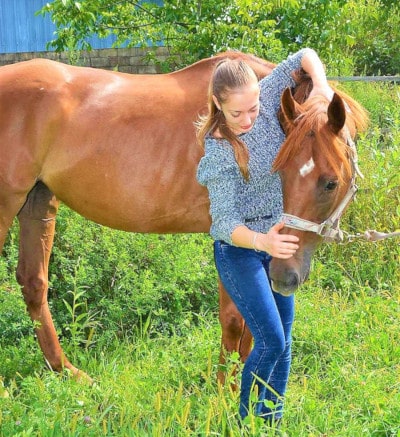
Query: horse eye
331,185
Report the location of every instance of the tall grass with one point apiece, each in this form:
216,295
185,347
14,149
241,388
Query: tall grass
139,314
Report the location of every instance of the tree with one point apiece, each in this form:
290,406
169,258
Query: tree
351,36
191,29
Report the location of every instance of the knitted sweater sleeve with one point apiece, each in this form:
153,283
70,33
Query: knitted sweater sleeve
272,86
219,172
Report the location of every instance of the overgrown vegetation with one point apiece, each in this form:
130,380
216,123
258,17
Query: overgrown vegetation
352,37
139,314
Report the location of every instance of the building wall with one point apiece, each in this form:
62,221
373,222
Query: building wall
126,60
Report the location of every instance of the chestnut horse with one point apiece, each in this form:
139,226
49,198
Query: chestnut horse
121,150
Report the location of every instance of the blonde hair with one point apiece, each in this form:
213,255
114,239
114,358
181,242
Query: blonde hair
228,76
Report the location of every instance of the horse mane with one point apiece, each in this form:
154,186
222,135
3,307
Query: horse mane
312,121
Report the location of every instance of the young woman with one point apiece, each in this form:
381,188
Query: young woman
241,135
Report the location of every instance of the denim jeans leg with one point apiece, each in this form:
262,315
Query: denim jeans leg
280,375
244,275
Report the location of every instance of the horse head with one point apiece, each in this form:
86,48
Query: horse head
317,165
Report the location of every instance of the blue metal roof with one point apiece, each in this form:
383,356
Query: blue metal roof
23,31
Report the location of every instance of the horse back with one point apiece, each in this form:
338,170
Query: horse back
105,141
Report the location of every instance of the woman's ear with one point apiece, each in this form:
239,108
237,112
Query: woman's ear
216,103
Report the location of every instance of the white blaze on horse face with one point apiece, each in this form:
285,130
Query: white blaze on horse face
307,168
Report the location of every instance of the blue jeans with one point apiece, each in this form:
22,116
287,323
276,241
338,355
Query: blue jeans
269,316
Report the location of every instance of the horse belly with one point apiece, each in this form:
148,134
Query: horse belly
131,191
137,211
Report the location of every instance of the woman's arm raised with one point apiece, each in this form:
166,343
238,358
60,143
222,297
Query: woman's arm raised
311,64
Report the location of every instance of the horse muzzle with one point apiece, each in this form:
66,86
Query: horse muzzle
287,275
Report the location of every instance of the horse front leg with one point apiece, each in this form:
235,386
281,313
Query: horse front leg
236,336
37,226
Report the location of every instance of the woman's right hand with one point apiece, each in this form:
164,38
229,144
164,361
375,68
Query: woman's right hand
278,245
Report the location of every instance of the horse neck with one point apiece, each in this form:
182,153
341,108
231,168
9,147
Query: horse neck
261,67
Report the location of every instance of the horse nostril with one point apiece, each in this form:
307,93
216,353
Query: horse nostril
288,284
292,280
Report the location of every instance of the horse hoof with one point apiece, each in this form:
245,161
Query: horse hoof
82,377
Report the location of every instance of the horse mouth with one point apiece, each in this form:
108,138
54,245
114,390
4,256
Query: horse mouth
290,285
284,291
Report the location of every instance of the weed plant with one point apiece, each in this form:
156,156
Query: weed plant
139,313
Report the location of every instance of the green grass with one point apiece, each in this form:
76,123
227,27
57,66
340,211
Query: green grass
139,314
345,379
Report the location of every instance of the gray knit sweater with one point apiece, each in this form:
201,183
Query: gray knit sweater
257,203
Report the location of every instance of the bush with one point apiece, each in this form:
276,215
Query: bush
128,278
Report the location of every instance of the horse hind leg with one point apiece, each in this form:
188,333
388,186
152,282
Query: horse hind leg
37,226
10,204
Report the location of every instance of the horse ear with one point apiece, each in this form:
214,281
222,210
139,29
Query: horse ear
336,113
289,109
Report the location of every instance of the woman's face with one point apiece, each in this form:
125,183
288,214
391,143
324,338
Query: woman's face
241,107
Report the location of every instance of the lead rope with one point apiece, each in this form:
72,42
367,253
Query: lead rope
371,235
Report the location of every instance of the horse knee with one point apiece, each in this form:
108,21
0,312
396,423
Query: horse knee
34,289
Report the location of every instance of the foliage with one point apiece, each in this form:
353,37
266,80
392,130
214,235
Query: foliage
352,37
190,29
315,23
376,36
120,273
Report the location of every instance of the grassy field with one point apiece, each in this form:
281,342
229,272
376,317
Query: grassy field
139,314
